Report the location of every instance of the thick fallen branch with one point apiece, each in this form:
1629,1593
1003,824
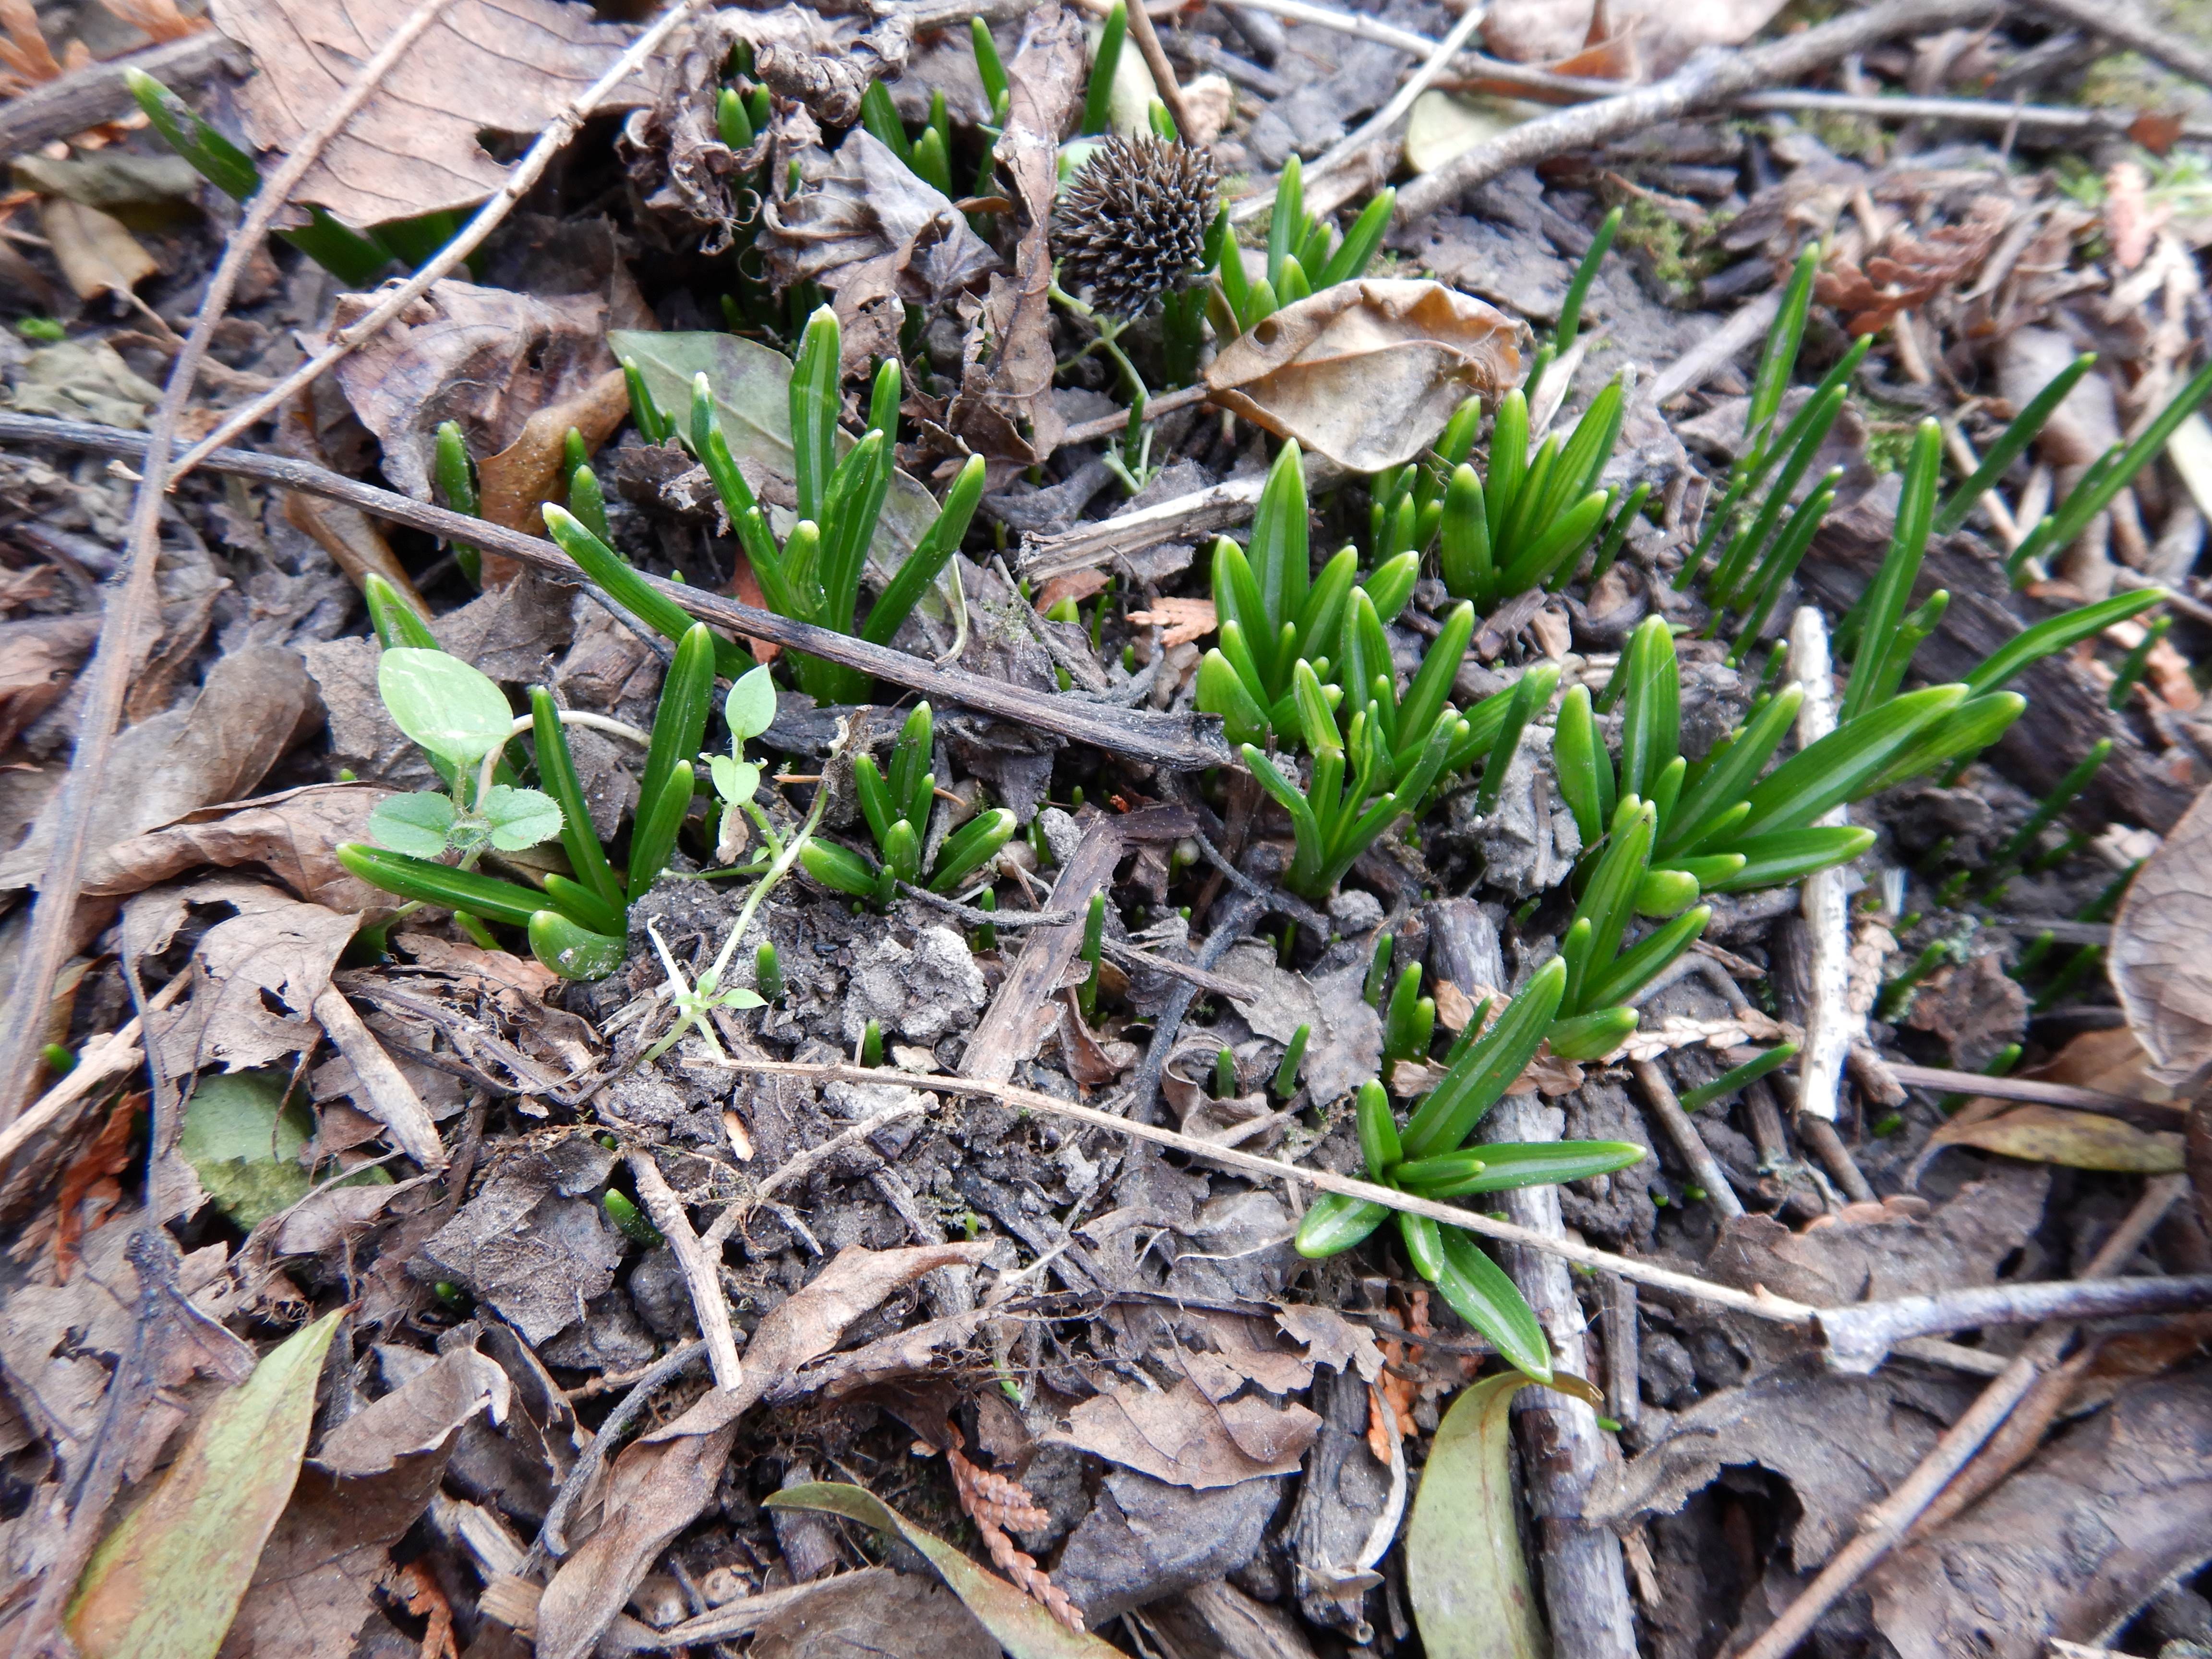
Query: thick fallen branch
1181,742
1708,79
2118,22
1859,1336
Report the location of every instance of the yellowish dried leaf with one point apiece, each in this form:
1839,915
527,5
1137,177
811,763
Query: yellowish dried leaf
1184,620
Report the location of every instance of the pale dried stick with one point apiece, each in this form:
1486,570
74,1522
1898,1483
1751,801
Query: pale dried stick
1708,79
708,1302
520,180
1390,115
1683,1132
1164,75
1828,1024
1889,1521
128,612
1761,1304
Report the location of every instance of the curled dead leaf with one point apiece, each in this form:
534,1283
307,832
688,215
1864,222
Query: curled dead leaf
2080,1140
1367,372
526,474
2157,961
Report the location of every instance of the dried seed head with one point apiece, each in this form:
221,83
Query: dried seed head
1131,225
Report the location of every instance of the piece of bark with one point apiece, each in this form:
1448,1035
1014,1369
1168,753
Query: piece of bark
1562,1448
1008,1032
386,1094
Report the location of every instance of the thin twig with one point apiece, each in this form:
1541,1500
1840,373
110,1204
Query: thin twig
553,1536
1710,79
1659,1094
129,614
711,1307
2119,21
1156,59
808,1162
520,180
1394,112
1889,1521
1180,742
1760,1304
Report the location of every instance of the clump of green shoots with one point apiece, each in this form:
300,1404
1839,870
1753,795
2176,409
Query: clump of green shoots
1425,1159
897,810
815,574
1526,525
1304,254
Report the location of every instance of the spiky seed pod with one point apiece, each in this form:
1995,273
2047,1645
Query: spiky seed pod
1131,225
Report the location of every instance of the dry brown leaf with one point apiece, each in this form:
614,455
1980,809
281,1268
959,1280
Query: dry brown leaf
484,356
663,1480
1184,620
25,52
260,974
291,834
1681,1031
417,1417
96,250
1367,372
2130,221
2158,962
877,238
160,19
2072,1544
2080,1140
507,66
526,474
38,659
255,701
1182,1438
356,545
1005,410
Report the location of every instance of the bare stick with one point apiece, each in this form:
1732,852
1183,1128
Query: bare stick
1687,1141
1164,75
2122,23
1829,1026
552,1537
1860,1335
1762,1304
1394,112
1708,79
1562,1448
807,1163
708,1302
1182,741
1888,1520
101,1061
524,174
130,610
1748,325
86,97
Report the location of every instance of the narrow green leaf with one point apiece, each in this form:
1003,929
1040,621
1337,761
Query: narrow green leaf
652,837
2055,634
1482,1075
2019,433
1098,94
1335,1223
427,883
1834,770
1503,1166
839,868
1580,758
1480,1293
1636,966
1892,586
572,950
1786,855
557,770
1592,1035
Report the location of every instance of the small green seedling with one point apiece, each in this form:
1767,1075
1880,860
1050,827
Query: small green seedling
456,715
1274,614
694,1005
1094,940
1287,1074
1336,817
897,810
1526,525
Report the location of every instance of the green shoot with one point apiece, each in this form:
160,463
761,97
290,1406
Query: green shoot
897,812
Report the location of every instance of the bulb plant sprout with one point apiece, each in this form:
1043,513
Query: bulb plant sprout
1304,254
1428,1157
1274,614
897,810
1526,525
814,575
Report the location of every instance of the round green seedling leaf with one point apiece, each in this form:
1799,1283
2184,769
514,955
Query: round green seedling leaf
735,780
420,824
520,818
751,704
452,710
